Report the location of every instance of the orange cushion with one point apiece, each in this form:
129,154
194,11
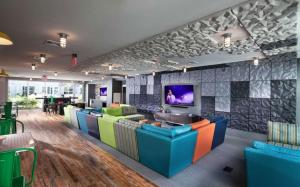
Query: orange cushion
199,124
204,141
114,105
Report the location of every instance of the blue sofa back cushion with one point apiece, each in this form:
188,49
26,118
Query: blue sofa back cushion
216,118
278,149
167,132
85,111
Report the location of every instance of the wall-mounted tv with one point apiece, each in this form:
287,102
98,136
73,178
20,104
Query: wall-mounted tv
103,91
179,95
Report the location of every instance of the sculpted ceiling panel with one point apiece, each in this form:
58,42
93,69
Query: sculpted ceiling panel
272,25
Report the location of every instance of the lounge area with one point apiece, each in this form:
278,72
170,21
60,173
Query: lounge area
173,93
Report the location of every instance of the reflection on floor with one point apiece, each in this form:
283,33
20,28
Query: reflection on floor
65,158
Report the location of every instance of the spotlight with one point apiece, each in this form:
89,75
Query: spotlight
91,80
102,78
30,79
63,40
255,61
43,58
110,67
153,73
184,70
55,74
126,76
227,39
86,73
33,67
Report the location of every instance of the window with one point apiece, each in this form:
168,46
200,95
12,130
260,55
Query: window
50,90
68,90
24,91
55,90
31,90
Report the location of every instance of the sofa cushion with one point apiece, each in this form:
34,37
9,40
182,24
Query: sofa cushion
128,110
199,124
167,132
284,133
279,149
114,111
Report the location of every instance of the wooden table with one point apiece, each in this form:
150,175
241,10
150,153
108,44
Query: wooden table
16,141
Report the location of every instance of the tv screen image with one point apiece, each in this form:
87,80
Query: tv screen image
103,91
179,95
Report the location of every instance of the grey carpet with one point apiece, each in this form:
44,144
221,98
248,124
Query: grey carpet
208,171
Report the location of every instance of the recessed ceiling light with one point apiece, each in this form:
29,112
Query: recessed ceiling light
63,40
43,58
227,39
4,39
255,61
33,67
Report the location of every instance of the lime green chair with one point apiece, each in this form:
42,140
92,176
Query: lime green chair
67,113
10,168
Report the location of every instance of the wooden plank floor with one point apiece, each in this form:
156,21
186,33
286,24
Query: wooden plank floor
65,158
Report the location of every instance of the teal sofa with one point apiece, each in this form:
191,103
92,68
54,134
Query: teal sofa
166,151
271,165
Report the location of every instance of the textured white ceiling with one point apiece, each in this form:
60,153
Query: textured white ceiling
96,28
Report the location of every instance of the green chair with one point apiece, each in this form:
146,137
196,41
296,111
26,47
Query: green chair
10,168
9,126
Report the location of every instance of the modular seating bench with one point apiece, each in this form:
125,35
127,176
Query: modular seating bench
165,150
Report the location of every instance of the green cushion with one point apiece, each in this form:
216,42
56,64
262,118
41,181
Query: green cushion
265,146
284,133
114,111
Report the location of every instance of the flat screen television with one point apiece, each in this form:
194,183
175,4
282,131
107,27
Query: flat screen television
103,91
179,95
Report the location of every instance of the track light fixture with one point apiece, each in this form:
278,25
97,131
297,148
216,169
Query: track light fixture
63,39
43,58
33,67
227,39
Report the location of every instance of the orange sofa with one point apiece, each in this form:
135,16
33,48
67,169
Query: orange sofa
204,138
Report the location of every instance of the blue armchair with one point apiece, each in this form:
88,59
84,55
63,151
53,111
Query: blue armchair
270,165
167,151
220,130
82,120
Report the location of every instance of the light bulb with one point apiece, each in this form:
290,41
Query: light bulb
256,61
227,39
153,73
43,58
63,40
33,67
86,73
184,70
110,67
55,74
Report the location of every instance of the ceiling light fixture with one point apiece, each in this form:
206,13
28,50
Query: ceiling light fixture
255,61
33,67
55,74
227,39
30,79
184,70
86,73
110,67
5,39
153,73
43,58
126,76
63,39
102,78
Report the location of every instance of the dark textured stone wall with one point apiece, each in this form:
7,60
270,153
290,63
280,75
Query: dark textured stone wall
248,95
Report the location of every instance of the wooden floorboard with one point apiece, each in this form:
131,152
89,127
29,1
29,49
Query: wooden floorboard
66,158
